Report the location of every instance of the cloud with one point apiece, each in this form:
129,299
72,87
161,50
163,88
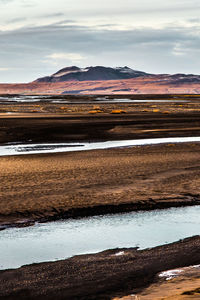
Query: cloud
5,1
41,50
57,58
4,69
53,15
16,20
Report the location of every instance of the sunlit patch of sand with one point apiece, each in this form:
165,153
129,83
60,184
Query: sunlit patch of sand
181,284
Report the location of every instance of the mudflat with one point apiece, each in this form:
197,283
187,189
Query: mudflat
50,186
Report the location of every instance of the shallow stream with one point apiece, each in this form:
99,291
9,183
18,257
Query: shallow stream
21,149
62,239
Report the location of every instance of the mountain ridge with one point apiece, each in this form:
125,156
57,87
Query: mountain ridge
106,80
75,73
101,73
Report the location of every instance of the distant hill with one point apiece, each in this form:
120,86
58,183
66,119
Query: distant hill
92,73
104,80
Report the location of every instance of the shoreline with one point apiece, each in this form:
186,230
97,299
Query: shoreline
85,212
28,149
48,187
105,275
43,187
97,182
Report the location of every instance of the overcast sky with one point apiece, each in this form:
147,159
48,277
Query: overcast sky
38,37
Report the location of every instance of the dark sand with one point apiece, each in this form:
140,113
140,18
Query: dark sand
52,122
54,128
45,187
97,276
52,186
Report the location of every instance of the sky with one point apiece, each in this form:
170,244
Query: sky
39,37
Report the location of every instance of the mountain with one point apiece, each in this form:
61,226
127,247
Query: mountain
104,80
92,73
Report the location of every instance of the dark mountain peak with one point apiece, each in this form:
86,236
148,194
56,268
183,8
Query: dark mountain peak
68,69
74,73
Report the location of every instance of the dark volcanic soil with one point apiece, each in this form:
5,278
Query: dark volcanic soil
97,276
65,122
54,128
50,186
45,187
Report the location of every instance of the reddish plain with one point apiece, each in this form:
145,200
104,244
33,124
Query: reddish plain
142,85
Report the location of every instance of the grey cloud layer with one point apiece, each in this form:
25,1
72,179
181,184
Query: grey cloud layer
35,50
155,50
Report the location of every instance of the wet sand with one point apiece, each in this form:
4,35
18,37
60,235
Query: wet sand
106,275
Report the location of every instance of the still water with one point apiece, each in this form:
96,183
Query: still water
80,100
21,149
62,239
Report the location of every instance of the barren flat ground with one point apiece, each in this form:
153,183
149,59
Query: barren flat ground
140,85
45,187
85,119
34,187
